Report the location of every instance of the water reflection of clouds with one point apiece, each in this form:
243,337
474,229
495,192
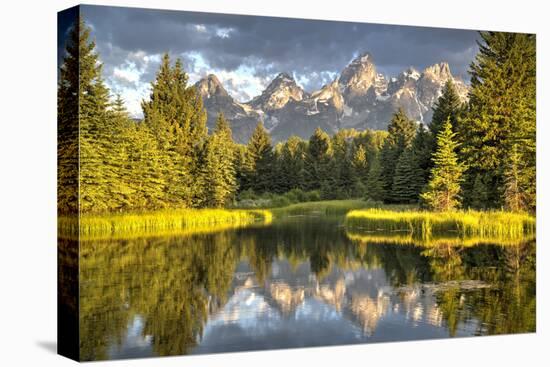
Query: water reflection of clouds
262,325
292,309
319,290
135,343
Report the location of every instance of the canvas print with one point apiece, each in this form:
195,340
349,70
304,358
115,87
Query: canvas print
233,183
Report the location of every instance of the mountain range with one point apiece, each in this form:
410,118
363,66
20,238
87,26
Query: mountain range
359,98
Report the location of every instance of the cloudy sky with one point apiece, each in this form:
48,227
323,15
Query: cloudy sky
246,52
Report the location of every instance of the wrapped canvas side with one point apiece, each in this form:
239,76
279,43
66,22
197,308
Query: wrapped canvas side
68,338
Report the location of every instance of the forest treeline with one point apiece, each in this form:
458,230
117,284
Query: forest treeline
480,154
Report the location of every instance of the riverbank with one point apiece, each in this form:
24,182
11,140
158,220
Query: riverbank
426,227
443,239
364,221
181,221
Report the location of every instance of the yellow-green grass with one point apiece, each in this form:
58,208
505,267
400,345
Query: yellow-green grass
328,207
164,222
426,227
449,239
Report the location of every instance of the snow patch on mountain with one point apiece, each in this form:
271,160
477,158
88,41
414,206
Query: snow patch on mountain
359,97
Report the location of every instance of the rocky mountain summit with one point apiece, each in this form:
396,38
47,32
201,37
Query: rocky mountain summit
359,97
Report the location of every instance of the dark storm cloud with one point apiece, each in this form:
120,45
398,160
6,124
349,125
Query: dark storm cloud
293,45
313,51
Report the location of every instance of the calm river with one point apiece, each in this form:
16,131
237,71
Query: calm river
298,282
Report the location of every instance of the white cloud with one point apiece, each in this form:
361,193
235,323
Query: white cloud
224,32
200,27
132,79
241,83
133,96
127,73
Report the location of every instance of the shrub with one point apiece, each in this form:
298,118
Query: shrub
314,195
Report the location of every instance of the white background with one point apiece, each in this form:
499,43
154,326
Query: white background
28,181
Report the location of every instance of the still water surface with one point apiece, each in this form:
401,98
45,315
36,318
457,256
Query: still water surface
299,282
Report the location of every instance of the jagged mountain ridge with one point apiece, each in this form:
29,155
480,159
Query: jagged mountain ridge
359,97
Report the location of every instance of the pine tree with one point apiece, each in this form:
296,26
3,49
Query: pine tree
501,112
175,114
68,128
240,166
318,157
146,161
360,170
118,107
292,163
96,128
341,167
279,186
401,131
448,106
389,155
219,168
442,191
478,196
408,180
513,195
375,185
259,161
121,191
422,151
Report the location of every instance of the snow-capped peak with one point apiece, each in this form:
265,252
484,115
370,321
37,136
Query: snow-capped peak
412,73
278,93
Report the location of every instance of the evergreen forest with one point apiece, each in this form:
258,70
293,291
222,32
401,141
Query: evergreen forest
479,154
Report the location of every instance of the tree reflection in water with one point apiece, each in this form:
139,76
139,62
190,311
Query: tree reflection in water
166,293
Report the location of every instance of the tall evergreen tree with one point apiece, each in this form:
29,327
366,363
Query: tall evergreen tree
118,107
259,161
375,185
423,146
96,128
513,195
292,163
408,180
219,168
341,167
68,129
501,112
240,166
121,191
478,194
318,157
360,170
442,191
175,114
401,131
447,106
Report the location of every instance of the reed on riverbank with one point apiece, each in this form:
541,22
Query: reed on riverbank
423,225
158,222
447,239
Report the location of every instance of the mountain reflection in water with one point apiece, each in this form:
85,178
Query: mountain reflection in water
299,282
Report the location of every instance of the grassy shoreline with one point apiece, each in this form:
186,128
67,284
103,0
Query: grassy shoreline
426,226
395,223
449,238
162,222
